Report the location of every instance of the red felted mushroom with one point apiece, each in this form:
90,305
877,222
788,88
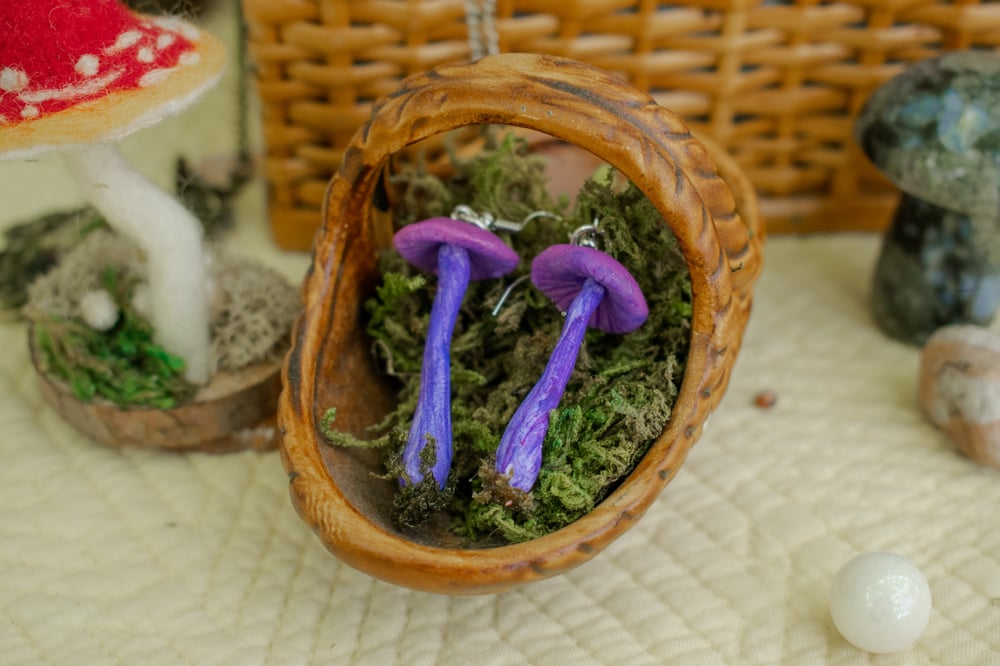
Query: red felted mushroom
77,75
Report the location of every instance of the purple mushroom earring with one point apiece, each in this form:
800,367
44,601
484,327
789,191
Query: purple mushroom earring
592,289
457,249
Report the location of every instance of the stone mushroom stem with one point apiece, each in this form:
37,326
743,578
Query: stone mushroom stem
519,454
432,418
171,239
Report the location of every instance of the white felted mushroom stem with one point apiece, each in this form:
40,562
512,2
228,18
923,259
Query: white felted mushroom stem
170,237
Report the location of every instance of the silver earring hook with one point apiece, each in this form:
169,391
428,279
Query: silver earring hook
465,213
587,235
506,292
488,221
517,227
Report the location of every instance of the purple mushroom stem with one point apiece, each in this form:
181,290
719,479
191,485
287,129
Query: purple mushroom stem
599,292
520,452
432,418
457,252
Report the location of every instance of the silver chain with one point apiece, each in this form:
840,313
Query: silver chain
481,25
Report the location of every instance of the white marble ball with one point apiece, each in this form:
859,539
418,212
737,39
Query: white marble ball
880,602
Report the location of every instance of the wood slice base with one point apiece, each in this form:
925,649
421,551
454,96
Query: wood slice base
233,412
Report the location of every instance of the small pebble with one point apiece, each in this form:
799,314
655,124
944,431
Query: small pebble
766,399
960,389
880,602
99,310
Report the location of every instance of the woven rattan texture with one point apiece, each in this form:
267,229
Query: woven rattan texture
776,83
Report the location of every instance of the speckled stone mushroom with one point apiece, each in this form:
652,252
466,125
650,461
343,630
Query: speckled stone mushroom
934,131
593,289
457,252
78,75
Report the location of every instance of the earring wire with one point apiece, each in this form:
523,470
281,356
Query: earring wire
488,221
587,235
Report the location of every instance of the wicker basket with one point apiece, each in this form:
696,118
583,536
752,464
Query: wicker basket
776,83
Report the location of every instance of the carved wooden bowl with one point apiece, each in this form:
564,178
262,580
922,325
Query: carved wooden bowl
709,205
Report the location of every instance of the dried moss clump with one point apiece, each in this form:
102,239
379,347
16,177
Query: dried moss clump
254,313
83,269
33,247
621,393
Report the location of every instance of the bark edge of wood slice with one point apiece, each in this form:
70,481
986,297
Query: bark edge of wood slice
234,412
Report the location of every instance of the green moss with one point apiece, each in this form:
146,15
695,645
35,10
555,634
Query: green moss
620,395
122,365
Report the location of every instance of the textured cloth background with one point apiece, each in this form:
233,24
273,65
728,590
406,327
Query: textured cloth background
137,557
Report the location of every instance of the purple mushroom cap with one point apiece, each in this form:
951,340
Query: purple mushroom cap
559,272
489,257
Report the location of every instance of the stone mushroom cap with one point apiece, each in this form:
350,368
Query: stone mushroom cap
489,257
934,130
559,272
77,72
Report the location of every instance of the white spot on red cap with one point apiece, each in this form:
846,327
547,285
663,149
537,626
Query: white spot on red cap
87,65
189,32
12,80
165,40
145,55
29,112
153,77
87,88
125,40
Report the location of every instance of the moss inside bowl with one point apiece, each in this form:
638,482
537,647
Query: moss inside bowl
620,395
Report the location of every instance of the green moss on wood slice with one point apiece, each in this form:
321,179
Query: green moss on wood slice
620,395
123,365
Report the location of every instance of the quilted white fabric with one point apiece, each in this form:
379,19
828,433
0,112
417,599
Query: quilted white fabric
137,557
